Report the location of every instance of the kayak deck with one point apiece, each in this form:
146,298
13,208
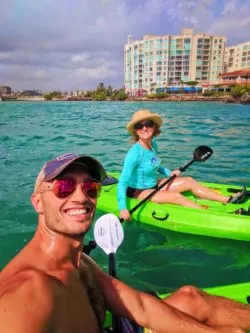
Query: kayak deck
218,220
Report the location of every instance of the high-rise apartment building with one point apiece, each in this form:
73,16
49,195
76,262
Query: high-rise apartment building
160,61
237,57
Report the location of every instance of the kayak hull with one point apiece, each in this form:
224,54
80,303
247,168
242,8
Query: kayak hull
218,220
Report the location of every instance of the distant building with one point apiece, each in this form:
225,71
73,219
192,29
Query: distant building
237,57
5,90
239,77
161,61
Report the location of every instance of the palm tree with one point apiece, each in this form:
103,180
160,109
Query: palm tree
100,87
153,84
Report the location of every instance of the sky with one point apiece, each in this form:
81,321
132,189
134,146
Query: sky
75,44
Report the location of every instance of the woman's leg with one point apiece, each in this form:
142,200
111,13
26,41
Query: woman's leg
171,193
209,309
169,197
182,184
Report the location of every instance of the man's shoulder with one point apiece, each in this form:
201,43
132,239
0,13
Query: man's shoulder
27,302
87,260
25,283
90,268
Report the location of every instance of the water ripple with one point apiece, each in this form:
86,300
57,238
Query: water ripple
32,133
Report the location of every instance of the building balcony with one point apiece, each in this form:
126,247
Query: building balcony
243,82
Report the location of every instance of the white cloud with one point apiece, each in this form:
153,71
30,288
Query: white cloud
234,22
44,42
4,56
80,57
98,73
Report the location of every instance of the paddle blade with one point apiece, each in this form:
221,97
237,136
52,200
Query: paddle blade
202,153
108,233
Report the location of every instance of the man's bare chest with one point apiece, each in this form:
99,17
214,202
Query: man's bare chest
75,311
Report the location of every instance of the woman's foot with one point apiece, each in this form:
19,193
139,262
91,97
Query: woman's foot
239,197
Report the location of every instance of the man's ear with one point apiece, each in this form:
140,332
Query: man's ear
37,202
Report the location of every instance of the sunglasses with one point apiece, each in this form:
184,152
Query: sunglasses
62,188
140,125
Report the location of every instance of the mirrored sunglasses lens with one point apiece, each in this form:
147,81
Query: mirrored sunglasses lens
91,188
64,187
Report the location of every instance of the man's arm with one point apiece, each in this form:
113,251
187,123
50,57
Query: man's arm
147,310
26,305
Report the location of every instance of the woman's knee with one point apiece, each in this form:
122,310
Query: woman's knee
189,181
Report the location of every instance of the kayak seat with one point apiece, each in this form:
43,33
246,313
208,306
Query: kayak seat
242,211
109,180
238,198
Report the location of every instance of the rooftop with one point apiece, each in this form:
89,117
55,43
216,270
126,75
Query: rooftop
237,73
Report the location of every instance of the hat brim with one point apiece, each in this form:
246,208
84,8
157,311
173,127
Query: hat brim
154,117
94,167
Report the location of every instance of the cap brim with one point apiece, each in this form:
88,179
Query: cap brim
94,167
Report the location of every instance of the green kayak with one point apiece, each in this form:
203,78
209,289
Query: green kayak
218,220
239,292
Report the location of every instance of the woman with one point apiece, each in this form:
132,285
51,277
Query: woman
141,165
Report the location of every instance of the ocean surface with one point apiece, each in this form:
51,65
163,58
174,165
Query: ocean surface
33,132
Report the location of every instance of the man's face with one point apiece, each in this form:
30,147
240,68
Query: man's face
73,214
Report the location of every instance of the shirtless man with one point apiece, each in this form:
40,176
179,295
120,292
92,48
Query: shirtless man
51,287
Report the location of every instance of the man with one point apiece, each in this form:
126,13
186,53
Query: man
51,287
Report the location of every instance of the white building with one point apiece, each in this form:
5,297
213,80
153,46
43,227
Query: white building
237,57
160,61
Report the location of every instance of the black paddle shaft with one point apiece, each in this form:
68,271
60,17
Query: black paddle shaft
116,323
112,270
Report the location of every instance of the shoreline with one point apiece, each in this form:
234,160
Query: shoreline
173,98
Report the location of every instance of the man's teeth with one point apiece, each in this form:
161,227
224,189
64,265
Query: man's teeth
76,212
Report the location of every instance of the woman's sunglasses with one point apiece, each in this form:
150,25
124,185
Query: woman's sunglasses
62,188
141,124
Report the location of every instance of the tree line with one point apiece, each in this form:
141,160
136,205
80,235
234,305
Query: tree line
101,93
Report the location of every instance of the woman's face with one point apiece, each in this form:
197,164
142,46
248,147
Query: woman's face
145,129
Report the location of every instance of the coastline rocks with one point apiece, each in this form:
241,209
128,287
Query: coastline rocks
245,99
181,98
231,99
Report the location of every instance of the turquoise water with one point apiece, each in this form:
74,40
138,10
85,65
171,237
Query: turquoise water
34,132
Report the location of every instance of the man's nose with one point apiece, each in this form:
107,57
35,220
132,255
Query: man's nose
79,193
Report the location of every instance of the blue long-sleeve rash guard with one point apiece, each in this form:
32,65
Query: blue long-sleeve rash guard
139,171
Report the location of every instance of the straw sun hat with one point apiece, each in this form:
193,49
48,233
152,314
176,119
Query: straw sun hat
143,115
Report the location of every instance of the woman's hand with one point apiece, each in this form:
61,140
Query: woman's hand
125,215
175,173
